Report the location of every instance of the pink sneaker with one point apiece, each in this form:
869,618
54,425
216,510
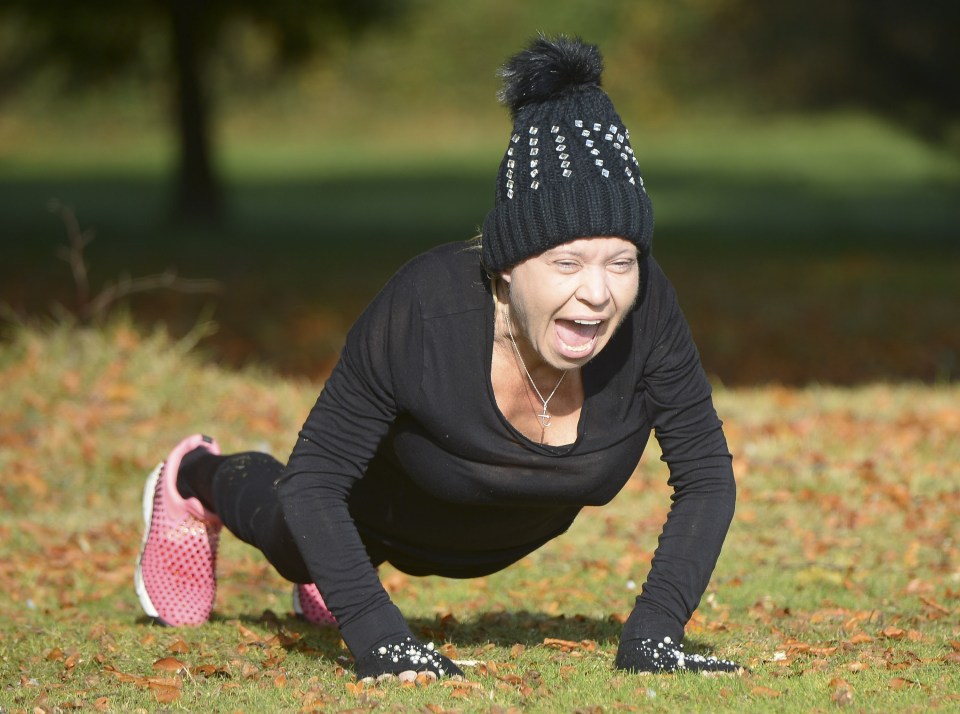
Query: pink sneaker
309,605
176,576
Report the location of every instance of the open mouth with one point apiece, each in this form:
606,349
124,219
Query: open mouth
577,337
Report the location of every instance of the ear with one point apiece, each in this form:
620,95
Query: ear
507,275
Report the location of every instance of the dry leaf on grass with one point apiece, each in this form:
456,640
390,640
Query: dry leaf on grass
178,646
170,664
902,683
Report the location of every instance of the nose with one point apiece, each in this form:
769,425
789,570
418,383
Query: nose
593,289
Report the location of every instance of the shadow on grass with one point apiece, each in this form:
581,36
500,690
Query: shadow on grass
500,628
505,629
782,279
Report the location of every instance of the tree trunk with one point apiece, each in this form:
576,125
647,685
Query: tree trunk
197,190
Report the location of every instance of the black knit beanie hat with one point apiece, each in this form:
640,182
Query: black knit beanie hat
569,171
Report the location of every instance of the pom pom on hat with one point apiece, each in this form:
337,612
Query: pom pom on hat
549,69
569,171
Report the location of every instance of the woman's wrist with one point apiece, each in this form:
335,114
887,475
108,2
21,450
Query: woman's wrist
647,622
364,633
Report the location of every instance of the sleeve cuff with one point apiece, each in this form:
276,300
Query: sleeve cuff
647,623
364,633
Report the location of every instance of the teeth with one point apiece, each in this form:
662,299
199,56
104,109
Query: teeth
581,348
587,322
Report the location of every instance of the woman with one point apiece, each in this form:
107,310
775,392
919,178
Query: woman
480,402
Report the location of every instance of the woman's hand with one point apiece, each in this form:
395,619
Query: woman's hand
406,657
650,642
662,656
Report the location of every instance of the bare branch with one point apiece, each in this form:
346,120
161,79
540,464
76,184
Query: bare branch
90,309
167,280
73,254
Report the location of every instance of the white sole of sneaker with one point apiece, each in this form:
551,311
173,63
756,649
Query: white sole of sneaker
297,607
149,490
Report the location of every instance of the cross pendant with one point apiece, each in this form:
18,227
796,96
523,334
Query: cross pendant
544,418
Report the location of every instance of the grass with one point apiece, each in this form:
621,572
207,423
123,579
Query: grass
838,586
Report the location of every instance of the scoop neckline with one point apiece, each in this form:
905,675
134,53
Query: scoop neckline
553,450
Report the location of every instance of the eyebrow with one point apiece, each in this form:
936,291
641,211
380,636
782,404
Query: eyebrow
557,251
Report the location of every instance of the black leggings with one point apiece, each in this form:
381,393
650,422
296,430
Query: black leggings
243,494
241,490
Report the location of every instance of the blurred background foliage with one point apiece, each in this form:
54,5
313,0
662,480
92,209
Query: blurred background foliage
803,158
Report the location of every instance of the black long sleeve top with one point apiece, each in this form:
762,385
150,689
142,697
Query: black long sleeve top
406,457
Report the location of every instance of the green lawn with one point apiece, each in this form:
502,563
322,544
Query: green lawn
839,584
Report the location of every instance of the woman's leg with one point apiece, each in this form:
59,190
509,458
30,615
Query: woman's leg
240,489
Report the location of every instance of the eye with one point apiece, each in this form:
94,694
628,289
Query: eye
623,266
566,266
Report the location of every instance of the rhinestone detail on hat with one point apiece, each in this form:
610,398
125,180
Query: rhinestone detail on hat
617,137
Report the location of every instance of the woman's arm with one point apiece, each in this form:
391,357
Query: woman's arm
341,435
691,438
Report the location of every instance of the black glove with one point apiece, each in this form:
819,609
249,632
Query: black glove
650,642
405,654
667,656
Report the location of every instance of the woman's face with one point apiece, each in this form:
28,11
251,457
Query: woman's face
567,302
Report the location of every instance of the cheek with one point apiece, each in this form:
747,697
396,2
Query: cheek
531,306
626,293
539,314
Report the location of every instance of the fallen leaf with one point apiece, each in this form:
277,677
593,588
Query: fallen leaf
165,694
893,633
178,646
248,634
209,670
123,676
490,668
765,692
933,604
274,660
565,645
169,664
283,639
901,683
896,666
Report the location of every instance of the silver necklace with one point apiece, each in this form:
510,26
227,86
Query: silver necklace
543,416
